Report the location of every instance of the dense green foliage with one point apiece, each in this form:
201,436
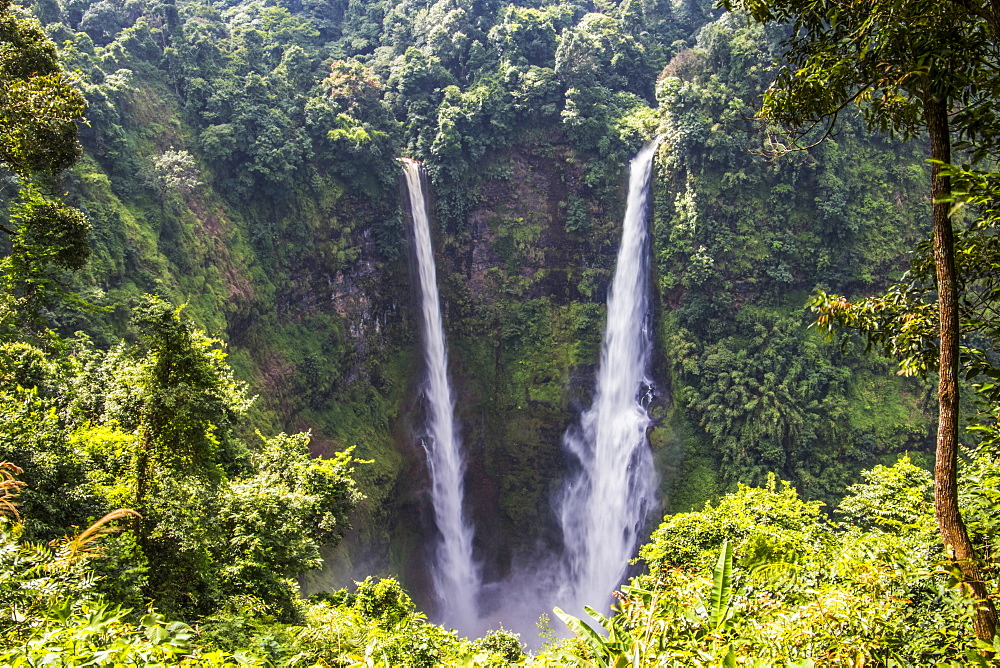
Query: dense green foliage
739,243
39,109
907,65
761,576
91,437
239,158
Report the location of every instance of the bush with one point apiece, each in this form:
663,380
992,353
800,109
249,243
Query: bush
383,600
503,645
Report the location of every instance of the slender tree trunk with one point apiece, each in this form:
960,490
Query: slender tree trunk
953,531
142,468
143,477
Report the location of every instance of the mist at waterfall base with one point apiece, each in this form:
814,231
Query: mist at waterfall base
604,501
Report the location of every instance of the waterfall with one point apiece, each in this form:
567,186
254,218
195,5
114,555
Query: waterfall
455,574
603,506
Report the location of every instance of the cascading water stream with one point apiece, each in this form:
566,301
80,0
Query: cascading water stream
456,575
602,508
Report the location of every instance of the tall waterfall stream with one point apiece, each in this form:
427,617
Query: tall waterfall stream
455,573
603,506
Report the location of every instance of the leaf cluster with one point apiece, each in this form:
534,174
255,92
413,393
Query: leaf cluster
39,110
888,58
904,320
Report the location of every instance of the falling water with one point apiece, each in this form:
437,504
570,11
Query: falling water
603,507
456,576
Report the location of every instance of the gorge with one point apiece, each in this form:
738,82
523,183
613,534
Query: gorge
602,504
472,401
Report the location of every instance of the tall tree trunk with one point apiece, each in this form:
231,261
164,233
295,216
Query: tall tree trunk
143,473
953,531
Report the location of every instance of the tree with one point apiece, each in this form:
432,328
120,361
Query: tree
598,52
189,398
38,105
272,524
906,64
525,36
174,172
102,21
49,238
39,108
891,497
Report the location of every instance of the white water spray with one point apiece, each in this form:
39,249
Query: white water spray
603,507
456,575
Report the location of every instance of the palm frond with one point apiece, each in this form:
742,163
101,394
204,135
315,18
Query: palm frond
72,549
10,487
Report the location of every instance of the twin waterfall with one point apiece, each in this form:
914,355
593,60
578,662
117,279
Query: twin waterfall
456,576
603,504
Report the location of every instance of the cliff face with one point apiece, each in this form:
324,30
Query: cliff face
284,233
